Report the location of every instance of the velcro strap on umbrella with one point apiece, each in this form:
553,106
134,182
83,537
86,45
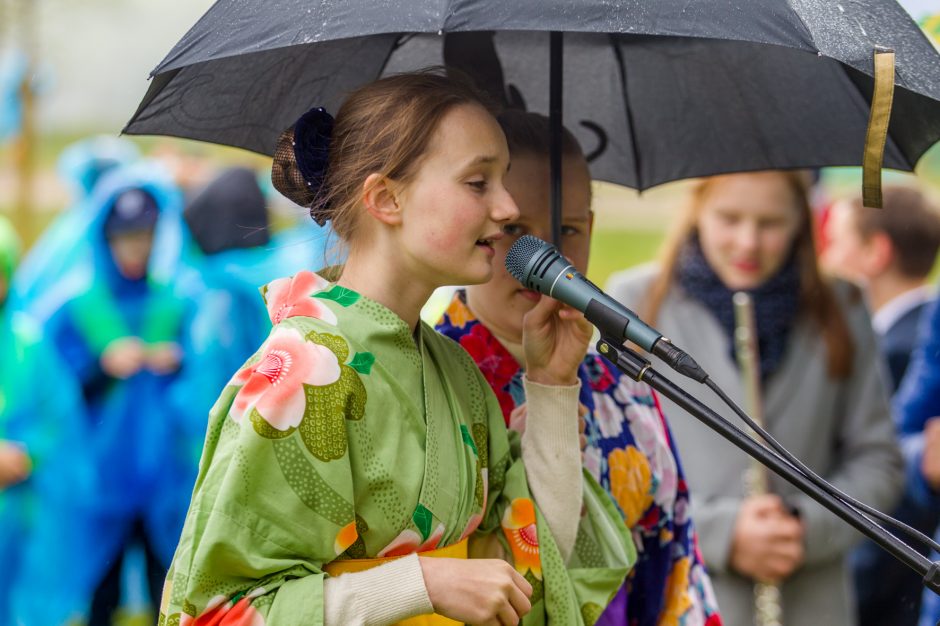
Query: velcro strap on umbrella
877,134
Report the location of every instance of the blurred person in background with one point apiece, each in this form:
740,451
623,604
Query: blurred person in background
122,336
226,259
630,450
889,253
824,398
52,271
917,409
42,473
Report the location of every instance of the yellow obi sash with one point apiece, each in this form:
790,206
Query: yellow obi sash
347,566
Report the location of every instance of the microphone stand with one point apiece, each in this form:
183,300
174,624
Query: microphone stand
640,369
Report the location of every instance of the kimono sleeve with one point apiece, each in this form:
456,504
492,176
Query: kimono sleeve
603,554
273,500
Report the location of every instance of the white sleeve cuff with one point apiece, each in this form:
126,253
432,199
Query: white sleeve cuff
383,595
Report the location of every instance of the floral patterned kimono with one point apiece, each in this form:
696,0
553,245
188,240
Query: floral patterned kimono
632,455
346,437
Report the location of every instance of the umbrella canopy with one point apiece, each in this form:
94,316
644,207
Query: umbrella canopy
656,91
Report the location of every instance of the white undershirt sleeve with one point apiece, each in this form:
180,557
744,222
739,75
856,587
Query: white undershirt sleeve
552,457
383,595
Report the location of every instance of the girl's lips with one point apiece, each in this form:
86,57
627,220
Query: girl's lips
746,266
529,294
486,248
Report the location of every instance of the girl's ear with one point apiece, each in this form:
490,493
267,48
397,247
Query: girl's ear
380,201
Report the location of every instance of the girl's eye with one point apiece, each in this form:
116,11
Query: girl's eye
569,231
479,185
512,230
772,224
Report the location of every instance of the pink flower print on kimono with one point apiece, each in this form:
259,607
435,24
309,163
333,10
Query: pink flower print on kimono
293,297
224,612
274,385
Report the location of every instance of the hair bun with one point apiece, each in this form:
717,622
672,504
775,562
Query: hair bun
301,160
286,175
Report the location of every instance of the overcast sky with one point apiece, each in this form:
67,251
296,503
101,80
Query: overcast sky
100,52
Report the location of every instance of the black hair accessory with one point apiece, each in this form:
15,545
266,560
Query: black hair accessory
312,133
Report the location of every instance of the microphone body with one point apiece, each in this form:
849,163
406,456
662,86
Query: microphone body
539,266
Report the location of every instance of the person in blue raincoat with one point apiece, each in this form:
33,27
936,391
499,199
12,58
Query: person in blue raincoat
52,270
226,258
42,475
122,338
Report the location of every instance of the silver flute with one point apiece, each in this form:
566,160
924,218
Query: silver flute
768,605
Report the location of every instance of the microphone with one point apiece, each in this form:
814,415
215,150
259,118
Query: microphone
539,266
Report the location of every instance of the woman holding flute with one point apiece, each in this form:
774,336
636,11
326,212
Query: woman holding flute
823,397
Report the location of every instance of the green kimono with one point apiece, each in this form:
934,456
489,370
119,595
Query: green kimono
346,436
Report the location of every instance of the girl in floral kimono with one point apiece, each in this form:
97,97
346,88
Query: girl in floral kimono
355,462
630,448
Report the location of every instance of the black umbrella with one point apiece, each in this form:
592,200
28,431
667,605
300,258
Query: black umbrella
656,91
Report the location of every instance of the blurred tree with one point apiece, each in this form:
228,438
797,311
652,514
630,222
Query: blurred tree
19,47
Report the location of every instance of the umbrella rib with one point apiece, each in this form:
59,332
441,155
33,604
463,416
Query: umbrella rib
796,14
634,149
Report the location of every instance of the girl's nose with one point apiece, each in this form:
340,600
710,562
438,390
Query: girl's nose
747,236
504,209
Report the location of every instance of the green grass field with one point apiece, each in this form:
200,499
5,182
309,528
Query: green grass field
614,250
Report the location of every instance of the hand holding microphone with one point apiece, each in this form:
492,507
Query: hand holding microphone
555,338
538,265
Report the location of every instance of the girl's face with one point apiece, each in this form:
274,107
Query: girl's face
454,208
747,224
503,302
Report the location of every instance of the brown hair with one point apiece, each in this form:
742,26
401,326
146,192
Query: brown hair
817,298
911,223
530,133
383,127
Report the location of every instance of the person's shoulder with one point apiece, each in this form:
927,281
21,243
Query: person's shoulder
306,298
850,298
630,285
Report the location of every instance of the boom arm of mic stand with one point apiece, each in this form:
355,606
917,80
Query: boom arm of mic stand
638,368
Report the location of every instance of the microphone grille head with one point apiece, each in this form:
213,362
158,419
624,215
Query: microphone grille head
521,253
